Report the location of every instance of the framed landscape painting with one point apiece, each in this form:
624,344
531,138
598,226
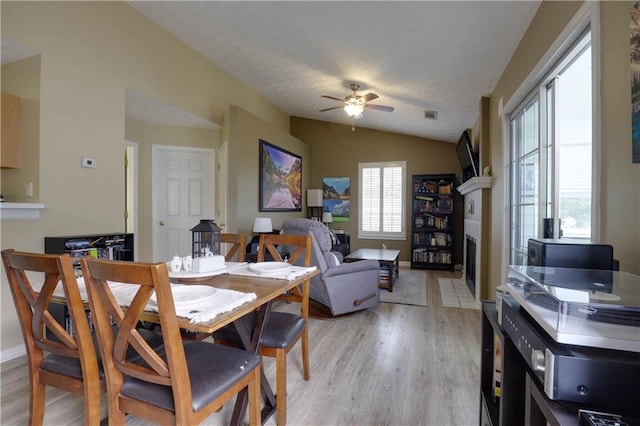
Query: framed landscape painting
635,81
336,197
280,184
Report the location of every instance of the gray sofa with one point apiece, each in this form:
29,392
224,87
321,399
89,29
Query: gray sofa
341,287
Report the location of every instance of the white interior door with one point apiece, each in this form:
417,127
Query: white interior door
182,195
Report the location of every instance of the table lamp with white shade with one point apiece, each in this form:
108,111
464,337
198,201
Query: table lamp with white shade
327,218
314,203
262,225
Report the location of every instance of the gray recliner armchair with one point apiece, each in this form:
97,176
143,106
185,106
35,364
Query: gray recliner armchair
340,287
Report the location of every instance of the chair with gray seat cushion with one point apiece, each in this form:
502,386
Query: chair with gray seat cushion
55,356
340,287
282,330
182,384
58,357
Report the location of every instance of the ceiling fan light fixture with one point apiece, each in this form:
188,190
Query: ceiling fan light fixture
353,109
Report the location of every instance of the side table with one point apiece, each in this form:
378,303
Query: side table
388,259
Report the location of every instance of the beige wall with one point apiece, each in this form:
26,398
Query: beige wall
619,196
90,53
245,130
336,151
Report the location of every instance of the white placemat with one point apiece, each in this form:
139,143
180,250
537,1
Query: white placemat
221,301
289,275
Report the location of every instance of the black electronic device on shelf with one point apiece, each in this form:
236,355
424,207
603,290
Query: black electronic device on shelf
468,159
543,382
566,253
577,374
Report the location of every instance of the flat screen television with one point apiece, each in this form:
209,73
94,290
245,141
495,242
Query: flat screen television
466,157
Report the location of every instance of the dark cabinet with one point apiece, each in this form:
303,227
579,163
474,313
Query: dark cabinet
502,374
116,246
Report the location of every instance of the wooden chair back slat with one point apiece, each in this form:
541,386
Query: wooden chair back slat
297,246
98,274
238,243
169,366
43,334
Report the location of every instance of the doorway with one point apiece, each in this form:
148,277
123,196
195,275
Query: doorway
183,183
131,191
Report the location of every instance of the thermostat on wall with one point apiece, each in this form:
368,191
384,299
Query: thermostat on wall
88,162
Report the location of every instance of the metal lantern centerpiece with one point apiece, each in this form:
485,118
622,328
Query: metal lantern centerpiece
205,237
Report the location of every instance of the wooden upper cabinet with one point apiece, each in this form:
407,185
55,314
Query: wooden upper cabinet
10,141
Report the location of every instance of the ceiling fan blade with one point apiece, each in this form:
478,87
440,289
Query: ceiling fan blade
333,98
329,109
369,97
380,107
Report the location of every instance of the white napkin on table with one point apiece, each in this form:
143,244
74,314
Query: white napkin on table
206,309
290,274
221,301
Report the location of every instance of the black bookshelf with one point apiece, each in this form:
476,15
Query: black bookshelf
432,217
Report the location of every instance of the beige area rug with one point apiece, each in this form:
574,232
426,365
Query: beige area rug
409,289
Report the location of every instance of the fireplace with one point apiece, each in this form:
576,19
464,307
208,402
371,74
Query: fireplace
475,262
470,264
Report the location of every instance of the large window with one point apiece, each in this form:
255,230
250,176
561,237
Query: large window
525,164
382,200
550,161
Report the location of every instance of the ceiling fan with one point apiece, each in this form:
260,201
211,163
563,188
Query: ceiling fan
354,104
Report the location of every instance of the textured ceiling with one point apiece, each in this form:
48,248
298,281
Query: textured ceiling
417,56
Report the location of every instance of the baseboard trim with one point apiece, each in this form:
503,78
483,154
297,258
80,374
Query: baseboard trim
12,353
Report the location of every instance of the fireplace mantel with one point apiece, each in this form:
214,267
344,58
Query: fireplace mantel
476,250
475,183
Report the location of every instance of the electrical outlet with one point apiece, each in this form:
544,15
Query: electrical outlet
28,189
88,162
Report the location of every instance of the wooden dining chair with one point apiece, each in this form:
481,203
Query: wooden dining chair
182,384
282,330
55,356
238,244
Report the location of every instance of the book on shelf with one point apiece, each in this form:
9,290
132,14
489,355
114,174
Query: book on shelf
441,239
444,188
427,186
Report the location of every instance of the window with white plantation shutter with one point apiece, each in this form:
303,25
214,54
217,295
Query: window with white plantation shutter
382,187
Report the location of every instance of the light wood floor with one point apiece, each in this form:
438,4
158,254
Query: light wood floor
392,365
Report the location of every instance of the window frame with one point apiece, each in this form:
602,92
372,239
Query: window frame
587,18
387,235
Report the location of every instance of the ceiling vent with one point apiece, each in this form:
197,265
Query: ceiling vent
430,115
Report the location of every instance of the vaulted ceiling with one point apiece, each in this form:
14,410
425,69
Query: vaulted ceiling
417,56
439,56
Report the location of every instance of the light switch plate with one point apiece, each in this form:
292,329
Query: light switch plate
88,162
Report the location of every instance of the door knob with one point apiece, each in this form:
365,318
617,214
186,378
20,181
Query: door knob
162,223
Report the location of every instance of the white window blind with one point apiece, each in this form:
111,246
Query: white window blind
382,187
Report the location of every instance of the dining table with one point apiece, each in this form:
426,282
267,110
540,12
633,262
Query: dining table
266,288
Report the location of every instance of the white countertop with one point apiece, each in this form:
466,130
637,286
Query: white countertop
10,210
